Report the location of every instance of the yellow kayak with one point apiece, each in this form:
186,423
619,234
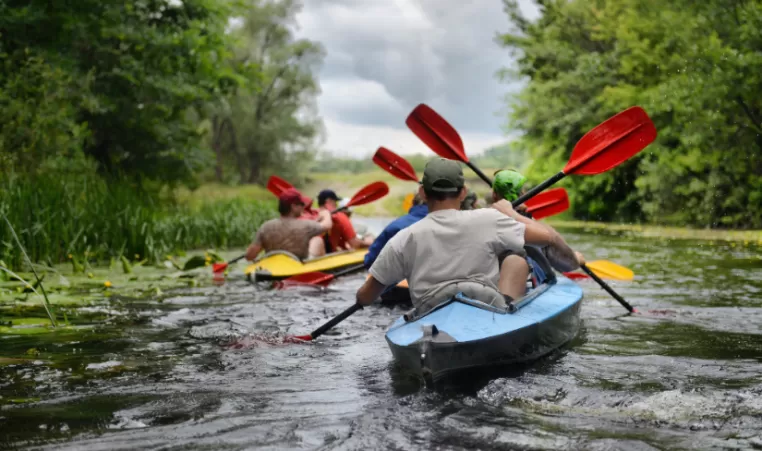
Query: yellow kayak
280,265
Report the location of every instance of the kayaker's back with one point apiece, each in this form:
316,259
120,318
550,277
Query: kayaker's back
446,246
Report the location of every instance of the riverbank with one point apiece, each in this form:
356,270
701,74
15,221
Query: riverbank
745,237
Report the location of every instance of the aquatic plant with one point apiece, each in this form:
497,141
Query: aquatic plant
92,220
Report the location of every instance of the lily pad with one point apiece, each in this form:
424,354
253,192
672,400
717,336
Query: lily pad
194,262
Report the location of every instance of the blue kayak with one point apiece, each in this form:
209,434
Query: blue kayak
464,333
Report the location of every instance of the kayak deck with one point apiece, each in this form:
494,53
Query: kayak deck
282,265
467,333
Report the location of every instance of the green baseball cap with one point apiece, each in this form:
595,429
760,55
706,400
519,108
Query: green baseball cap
508,183
443,176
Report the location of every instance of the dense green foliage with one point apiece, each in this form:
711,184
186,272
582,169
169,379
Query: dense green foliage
116,80
694,66
109,103
82,215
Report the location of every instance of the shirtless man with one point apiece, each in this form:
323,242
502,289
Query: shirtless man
452,251
301,237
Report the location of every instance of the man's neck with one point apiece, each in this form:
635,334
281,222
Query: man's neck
448,204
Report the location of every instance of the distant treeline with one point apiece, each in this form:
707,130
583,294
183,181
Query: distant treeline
502,156
694,66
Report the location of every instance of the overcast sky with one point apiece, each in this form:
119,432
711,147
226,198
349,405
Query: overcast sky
384,57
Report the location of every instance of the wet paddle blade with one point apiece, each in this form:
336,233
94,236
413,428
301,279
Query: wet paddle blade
610,270
548,203
219,267
436,133
277,185
611,142
369,193
394,164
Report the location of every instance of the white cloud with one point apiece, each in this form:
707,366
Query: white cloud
385,57
362,140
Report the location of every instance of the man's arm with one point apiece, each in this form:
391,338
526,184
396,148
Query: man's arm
561,256
325,221
357,243
254,249
386,270
369,291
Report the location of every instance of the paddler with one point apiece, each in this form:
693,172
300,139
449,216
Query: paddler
342,236
509,184
417,212
452,251
301,237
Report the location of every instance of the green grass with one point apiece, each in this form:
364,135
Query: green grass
84,218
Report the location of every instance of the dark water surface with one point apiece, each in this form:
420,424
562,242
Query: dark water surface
686,376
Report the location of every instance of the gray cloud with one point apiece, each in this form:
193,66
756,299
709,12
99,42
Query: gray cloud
385,57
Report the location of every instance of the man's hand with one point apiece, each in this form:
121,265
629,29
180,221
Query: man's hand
580,258
324,218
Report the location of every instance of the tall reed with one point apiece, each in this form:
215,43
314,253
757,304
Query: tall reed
77,214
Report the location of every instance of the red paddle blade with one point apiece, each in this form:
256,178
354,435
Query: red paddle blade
436,133
576,275
612,142
297,338
374,191
311,278
548,203
394,164
219,267
277,185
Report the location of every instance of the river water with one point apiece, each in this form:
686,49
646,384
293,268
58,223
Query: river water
685,374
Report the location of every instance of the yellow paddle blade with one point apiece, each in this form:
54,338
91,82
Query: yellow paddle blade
610,270
407,204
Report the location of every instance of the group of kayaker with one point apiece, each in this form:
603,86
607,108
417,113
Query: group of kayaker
444,246
305,232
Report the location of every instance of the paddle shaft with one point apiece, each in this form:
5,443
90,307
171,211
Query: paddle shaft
479,173
537,189
608,289
336,320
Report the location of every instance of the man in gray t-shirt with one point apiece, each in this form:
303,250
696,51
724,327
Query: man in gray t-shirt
450,251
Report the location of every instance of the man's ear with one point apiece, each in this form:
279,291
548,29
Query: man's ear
463,193
422,193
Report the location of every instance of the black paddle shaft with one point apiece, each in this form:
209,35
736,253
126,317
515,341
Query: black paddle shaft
479,173
538,189
236,259
339,318
606,287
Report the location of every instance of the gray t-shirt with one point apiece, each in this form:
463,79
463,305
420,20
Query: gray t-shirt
446,246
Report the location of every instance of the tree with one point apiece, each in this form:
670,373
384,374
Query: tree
125,78
695,68
273,121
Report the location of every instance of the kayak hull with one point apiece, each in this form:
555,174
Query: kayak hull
462,334
281,265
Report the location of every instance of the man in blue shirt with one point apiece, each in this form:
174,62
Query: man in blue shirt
418,211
